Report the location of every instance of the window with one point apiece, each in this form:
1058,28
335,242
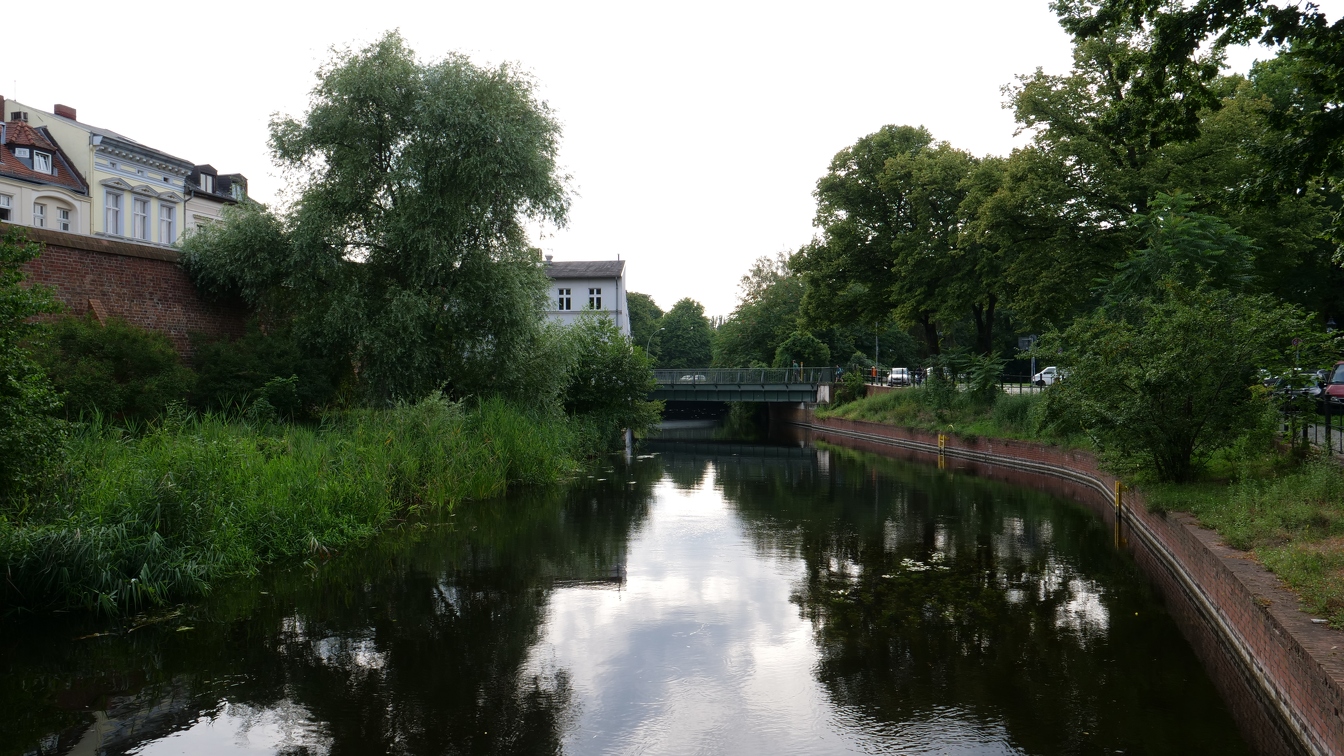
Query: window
207,183
566,302
39,215
112,213
41,162
62,219
594,299
140,219
5,202
167,224
21,152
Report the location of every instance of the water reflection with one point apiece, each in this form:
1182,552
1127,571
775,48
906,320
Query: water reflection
710,598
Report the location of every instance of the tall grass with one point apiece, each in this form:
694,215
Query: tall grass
139,519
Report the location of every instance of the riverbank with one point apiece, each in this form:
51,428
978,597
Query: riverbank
1284,669
1286,514
140,520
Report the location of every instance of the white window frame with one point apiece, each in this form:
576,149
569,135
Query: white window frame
167,223
42,157
112,212
62,219
594,298
22,152
6,206
207,183
39,215
139,220
565,299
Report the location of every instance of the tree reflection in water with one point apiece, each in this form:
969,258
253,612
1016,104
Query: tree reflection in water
412,645
932,592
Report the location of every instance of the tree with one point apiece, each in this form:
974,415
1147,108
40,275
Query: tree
30,435
686,338
1173,378
405,246
850,271
802,348
608,381
1184,247
766,315
645,320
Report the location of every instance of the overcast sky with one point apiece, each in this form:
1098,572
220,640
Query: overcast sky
694,132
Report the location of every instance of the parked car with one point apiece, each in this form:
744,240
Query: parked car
1048,376
1333,388
899,377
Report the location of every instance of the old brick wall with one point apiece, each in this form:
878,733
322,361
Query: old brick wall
1281,673
140,284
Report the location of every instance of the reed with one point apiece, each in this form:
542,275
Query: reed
143,517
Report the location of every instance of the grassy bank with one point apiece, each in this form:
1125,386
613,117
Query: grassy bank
1019,416
139,519
1292,521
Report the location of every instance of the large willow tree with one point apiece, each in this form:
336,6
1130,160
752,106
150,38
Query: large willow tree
403,245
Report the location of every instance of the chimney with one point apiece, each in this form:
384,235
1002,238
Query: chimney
2,107
65,111
549,258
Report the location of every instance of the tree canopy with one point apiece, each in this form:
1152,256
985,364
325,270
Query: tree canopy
686,338
404,245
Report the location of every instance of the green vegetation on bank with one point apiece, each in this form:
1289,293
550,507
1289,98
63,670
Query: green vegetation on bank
138,519
399,360
1019,416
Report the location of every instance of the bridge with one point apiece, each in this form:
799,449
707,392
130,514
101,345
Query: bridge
743,384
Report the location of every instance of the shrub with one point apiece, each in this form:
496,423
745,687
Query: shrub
116,369
30,435
608,381
851,388
233,374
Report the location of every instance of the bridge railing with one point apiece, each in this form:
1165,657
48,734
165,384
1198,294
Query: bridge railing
743,376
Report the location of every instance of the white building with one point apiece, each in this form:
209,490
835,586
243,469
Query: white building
579,286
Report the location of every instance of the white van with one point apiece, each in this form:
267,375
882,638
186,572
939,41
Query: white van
1047,377
899,377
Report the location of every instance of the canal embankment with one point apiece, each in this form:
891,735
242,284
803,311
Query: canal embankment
1280,670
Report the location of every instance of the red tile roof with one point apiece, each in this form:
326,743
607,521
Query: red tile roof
20,134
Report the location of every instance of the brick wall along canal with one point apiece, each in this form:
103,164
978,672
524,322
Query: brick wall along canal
713,598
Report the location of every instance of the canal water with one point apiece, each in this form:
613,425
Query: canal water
706,598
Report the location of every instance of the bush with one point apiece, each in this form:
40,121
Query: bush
851,388
607,382
233,374
116,369
30,434
1163,382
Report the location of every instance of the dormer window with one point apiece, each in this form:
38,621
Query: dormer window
41,162
21,152
207,183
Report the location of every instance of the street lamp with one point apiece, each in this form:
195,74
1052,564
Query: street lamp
649,340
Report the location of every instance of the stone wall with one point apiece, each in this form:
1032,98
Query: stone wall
1281,673
141,284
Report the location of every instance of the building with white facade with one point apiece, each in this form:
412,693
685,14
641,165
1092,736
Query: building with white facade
579,286
85,179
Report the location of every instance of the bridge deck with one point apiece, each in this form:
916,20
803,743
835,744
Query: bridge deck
740,385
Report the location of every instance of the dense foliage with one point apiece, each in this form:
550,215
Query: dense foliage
686,340
30,435
230,374
607,380
115,368
405,247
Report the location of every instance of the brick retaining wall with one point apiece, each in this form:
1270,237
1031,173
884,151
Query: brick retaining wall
1281,674
141,284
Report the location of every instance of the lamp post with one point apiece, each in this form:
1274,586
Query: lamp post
649,340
